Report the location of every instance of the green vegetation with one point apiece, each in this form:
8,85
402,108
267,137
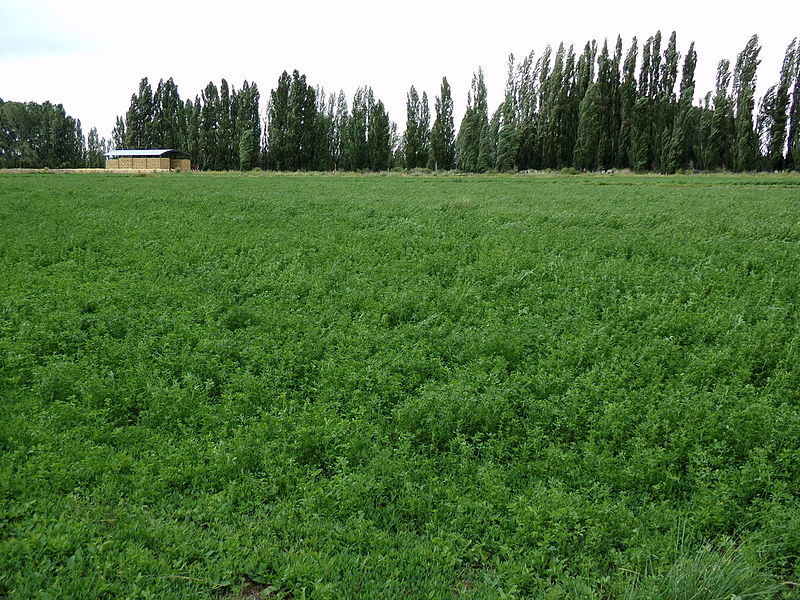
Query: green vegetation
584,110
219,386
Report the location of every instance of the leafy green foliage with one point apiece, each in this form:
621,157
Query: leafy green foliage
391,387
39,135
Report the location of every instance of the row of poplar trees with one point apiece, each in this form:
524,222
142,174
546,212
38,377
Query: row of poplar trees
594,111
305,128
601,108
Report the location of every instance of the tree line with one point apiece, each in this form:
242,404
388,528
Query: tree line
43,135
597,108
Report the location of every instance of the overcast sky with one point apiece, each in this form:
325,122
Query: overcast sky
90,55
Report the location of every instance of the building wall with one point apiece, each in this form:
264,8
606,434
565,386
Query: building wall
184,164
149,162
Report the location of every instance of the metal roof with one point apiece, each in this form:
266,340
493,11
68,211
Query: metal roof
160,152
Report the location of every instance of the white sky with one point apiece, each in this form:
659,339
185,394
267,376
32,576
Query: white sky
90,55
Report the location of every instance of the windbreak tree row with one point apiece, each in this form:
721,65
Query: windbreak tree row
600,108
593,111
597,108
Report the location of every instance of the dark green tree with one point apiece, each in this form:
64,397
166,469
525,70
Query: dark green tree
722,126
776,116
118,134
247,157
508,122
210,152
248,125
169,124
474,126
443,147
412,138
744,87
192,110
379,135
793,135
338,131
139,118
527,92
588,149
354,150
682,138
40,135
95,147
279,133
228,145
627,99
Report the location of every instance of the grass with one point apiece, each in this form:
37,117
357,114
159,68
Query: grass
227,386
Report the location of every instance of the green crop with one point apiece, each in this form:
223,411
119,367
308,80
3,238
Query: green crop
232,386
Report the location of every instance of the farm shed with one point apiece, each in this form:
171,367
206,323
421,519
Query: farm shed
164,159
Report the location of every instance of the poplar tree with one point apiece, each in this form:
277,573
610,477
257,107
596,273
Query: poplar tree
95,148
553,106
424,132
793,142
210,154
228,148
192,111
338,132
379,135
278,126
139,118
542,120
168,128
776,116
118,134
568,102
703,148
627,94
680,155
474,126
411,137
665,106
324,127
588,148
613,113
487,152
354,151
246,150
508,123
744,85
248,124
722,128
527,91
604,83
442,155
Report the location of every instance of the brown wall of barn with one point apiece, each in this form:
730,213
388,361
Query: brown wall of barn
149,162
184,164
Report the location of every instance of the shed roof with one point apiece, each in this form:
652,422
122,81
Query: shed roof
149,152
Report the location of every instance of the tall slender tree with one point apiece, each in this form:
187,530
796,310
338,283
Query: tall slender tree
627,95
474,126
508,122
442,155
722,126
776,116
744,87
681,140
793,135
